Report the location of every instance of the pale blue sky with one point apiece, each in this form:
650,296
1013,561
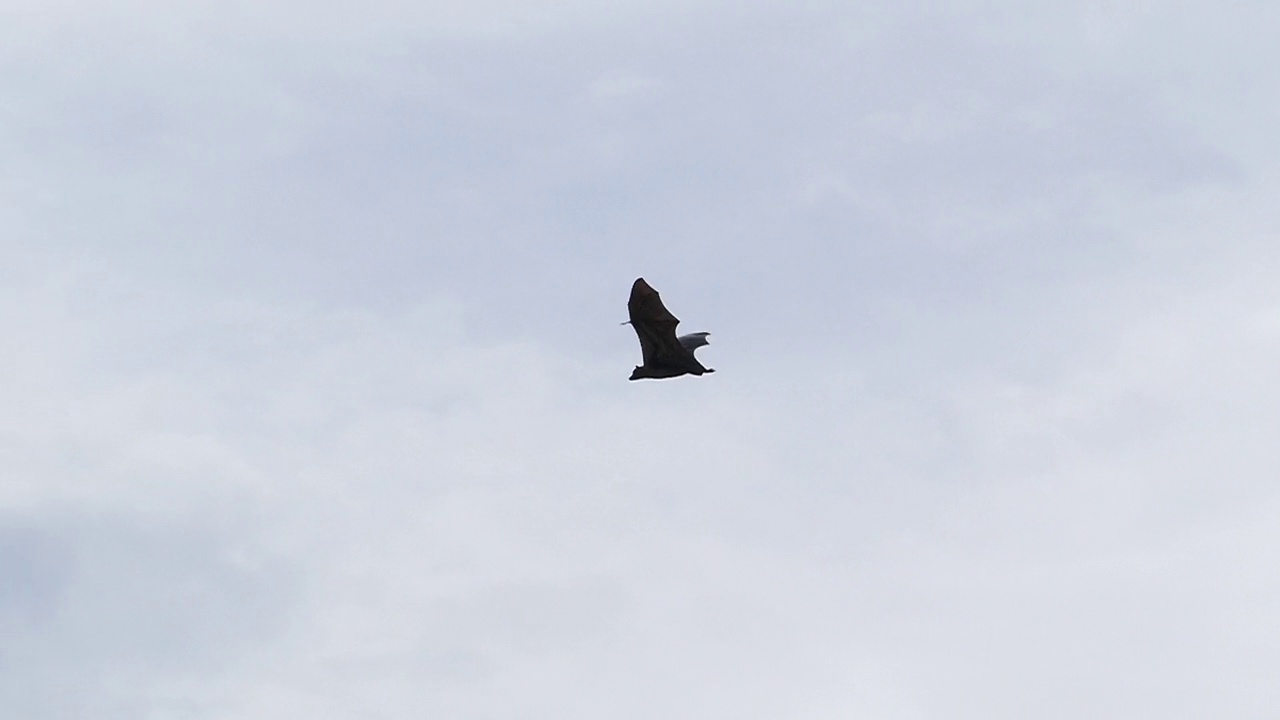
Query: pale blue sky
316,400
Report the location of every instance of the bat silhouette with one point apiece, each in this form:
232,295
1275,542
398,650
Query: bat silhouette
665,355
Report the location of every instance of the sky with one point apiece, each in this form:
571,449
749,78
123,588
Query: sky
316,399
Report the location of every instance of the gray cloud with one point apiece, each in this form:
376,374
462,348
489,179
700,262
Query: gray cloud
315,396
104,615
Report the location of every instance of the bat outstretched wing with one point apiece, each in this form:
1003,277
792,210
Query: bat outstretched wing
655,326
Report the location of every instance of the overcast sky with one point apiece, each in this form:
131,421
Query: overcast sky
314,398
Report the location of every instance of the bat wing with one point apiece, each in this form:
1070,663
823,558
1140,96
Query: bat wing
655,326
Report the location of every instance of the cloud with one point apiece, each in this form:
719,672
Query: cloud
316,397
106,615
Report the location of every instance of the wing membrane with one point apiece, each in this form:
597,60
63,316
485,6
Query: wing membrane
655,327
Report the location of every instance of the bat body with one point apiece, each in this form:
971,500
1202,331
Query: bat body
665,355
